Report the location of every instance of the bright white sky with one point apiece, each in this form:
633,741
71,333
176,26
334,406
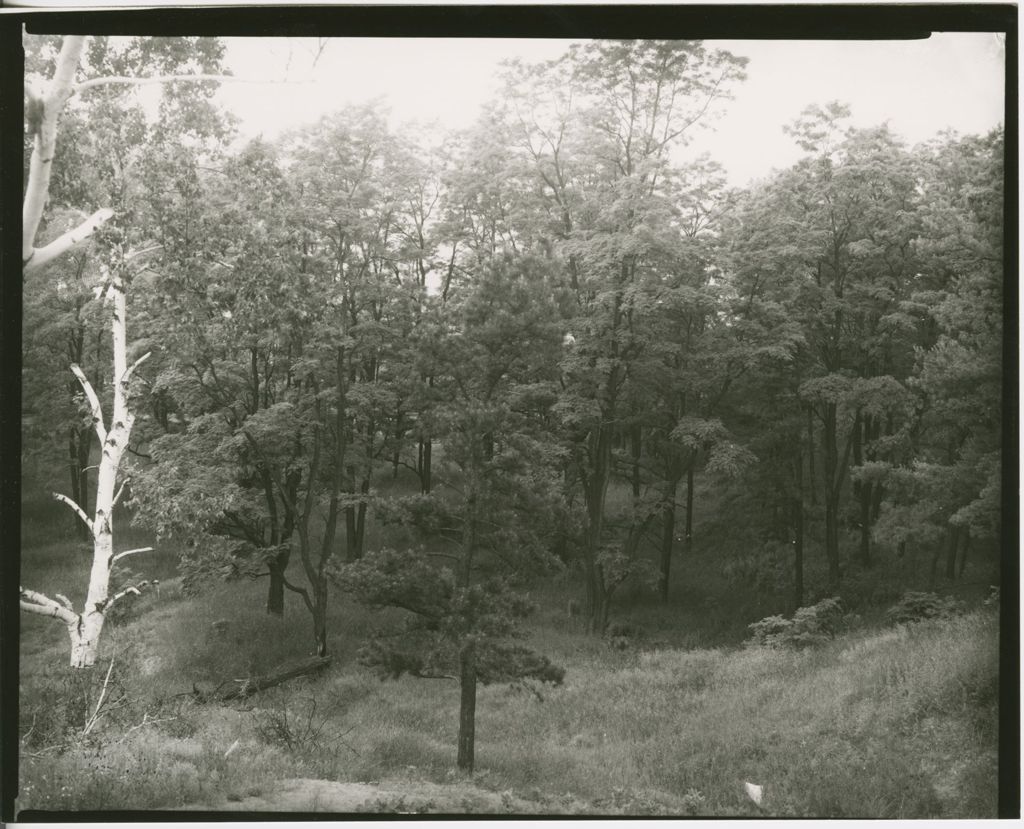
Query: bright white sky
921,87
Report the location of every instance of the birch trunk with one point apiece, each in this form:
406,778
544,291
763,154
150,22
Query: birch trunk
84,628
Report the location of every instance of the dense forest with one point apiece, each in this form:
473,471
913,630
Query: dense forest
417,403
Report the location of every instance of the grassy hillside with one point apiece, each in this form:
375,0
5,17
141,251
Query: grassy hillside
881,722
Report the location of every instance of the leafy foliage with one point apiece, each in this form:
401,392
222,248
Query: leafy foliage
915,607
809,626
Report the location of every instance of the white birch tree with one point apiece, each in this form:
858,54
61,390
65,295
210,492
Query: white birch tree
43,112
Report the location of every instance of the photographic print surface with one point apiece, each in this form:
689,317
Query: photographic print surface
512,426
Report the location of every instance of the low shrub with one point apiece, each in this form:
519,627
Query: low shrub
809,626
916,607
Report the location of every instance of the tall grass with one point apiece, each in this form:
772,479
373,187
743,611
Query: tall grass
891,724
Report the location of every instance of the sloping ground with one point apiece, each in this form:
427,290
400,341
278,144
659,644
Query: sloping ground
897,723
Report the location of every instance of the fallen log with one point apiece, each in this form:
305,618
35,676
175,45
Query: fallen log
242,688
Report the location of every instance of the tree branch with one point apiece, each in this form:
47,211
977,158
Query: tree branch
130,553
131,369
301,591
120,492
134,589
78,510
36,258
33,602
94,402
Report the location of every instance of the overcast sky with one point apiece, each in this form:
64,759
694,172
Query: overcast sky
921,86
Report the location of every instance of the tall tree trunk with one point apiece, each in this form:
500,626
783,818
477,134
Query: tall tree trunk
467,706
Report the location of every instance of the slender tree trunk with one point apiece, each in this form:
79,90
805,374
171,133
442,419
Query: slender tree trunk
357,551
798,536
866,496
278,565
320,618
832,545
862,491
275,592
351,553
935,564
469,531
831,453
636,448
595,491
396,455
688,536
877,491
668,532
467,706
952,545
964,548
424,458
425,465
811,475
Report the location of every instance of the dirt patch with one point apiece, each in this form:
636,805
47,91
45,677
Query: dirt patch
306,795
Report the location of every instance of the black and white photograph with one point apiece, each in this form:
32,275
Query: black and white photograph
538,427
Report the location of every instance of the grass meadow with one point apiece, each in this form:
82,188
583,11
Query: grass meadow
883,722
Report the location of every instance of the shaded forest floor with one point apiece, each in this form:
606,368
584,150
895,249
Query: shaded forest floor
880,722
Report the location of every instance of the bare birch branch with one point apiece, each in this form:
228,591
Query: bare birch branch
94,402
64,600
130,553
131,369
78,510
38,257
135,590
33,602
120,492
